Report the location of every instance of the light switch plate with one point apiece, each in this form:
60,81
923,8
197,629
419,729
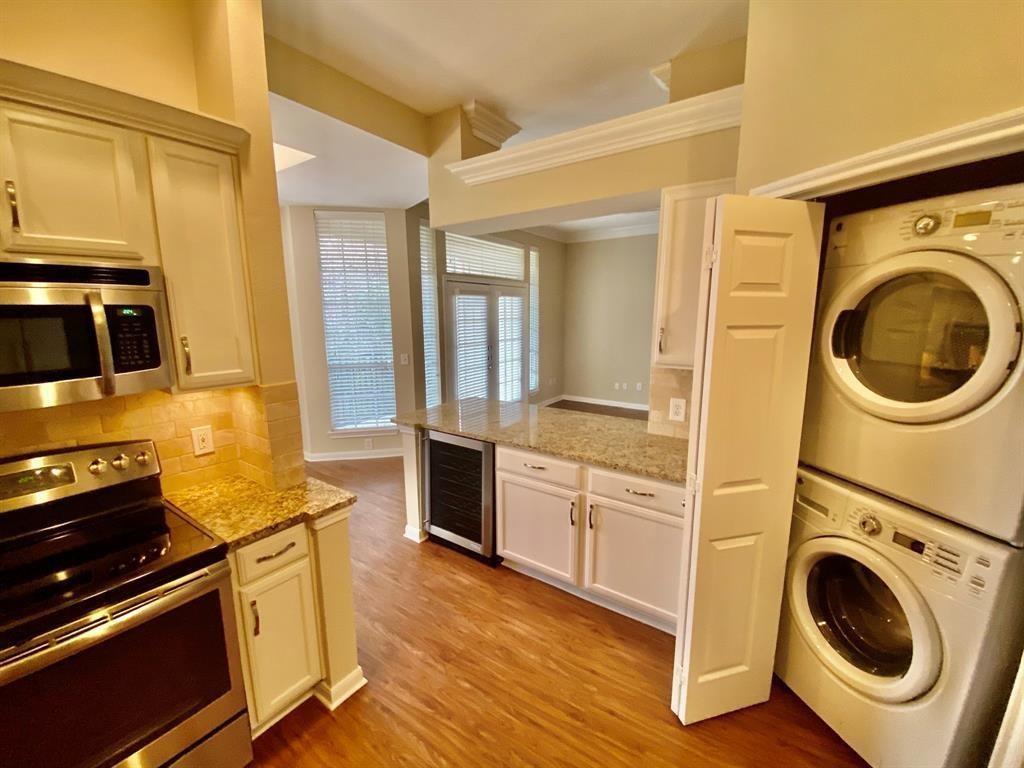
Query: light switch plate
202,440
677,409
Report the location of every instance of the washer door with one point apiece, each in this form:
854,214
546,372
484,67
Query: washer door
921,337
864,619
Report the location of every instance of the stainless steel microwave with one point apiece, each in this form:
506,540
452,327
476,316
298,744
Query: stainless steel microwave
76,332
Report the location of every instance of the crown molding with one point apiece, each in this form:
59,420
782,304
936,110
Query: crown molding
991,136
708,112
553,232
662,76
488,125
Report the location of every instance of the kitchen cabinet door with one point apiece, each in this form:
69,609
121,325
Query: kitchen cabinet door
281,637
634,556
680,259
73,187
537,526
200,235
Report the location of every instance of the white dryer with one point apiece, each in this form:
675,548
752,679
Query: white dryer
901,630
915,386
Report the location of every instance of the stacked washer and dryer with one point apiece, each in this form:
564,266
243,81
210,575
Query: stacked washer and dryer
903,618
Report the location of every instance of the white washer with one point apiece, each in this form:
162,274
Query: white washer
915,386
901,630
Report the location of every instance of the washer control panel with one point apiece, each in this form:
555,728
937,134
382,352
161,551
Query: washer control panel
1004,218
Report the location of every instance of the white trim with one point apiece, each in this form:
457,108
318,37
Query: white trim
613,403
662,76
266,725
489,125
549,401
414,533
373,453
631,613
991,136
341,434
708,112
332,696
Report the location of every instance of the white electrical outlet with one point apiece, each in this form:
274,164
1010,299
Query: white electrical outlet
616,386
639,386
677,409
202,440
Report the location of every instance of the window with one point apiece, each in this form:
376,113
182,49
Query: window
534,319
473,256
431,345
357,318
510,348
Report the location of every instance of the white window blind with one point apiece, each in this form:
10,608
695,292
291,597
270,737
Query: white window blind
472,256
534,319
510,348
357,318
471,345
431,342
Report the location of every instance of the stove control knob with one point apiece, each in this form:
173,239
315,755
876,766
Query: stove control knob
142,458
98,466
925,225
870,525
121,462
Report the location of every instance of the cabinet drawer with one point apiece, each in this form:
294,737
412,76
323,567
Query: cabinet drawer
639,491
538,466
269,554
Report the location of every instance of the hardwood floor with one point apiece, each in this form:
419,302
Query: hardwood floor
604,410
473,666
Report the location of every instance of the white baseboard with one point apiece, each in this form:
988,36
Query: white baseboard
549,401
415,534
332,696
613,403
651,621
373,453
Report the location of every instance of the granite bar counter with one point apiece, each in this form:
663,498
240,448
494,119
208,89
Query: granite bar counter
241,511
602,441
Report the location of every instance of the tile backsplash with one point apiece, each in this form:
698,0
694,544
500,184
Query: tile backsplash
667,383
256,431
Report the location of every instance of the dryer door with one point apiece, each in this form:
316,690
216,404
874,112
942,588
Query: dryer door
864,619
921,337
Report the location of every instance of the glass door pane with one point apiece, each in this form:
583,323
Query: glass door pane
510,347
472,345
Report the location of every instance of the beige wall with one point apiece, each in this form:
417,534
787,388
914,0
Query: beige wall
305,298
836,78
137,46
609,303
706,70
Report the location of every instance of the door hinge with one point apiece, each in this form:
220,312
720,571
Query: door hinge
693,484
711,255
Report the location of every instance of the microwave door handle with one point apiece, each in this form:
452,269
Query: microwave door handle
99,320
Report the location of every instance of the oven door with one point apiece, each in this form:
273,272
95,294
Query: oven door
63,344
136,685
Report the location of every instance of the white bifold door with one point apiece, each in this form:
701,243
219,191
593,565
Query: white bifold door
755,317
486,341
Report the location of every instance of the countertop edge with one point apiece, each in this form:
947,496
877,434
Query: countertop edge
297,518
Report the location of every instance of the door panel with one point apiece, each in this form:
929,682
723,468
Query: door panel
633,556
749,385
537,526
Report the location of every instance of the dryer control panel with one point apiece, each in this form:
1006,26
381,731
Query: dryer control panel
991,219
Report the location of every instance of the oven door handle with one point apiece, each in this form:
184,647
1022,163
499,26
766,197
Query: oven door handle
72,638
99,319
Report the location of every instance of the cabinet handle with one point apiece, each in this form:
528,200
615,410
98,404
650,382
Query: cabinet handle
648,494
572,510
255,618
534,466
188,355
661,339
12,200
281,551
590,517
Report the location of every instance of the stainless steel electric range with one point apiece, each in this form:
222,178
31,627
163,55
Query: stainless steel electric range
118,644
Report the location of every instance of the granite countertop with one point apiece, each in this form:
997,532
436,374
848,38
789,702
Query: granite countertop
241,511
603,441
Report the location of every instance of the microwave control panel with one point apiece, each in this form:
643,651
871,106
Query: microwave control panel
133,337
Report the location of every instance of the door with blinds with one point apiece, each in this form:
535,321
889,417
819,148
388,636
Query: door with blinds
488,341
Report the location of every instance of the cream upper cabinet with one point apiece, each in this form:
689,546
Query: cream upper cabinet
680,259
537,525
633,556
73,187
198,224
281,637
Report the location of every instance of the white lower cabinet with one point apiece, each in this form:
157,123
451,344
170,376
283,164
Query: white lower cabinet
633,556
537,525
281,637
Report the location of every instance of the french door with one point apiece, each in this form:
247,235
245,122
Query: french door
486,341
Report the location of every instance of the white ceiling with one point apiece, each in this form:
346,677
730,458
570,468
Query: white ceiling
601,227
550,65
349,167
